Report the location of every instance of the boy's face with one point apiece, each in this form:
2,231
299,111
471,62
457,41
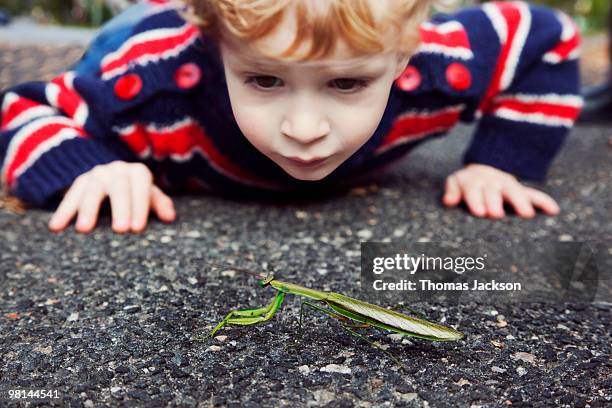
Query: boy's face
307,117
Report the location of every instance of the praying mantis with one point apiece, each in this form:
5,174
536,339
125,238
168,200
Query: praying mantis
341,307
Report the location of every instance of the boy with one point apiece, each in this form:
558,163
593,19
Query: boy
278,94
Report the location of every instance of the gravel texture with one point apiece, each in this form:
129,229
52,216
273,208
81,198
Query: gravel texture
111,319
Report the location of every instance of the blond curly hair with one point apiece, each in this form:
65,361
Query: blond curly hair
321,21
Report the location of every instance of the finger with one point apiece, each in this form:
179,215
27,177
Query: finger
67,208
162,204
475,201
452,194
89,206
519,199
494,203
119,196
140,191
543,201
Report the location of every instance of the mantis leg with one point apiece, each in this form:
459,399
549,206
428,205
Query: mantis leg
251,316
316,307
348,328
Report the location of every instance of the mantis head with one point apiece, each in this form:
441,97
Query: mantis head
265,282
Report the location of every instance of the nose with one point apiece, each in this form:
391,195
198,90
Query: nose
305,125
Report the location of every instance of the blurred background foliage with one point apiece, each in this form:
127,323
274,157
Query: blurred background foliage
591,15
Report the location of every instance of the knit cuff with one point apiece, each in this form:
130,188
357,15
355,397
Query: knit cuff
57,168
525,150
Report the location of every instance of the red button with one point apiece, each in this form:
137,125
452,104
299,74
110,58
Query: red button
128,86
188,75
410,79
458,76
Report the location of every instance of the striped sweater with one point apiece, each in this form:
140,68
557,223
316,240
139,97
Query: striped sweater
160,97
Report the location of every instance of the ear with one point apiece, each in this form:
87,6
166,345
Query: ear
402,62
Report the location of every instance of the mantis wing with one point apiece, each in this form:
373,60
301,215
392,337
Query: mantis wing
392,320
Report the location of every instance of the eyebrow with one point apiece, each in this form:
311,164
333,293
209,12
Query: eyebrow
336,67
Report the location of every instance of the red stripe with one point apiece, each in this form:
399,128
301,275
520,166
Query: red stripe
418,125
152,47
67,99
512,16
25,149
548,109
565,48
182,141
136,140
457,38
17,108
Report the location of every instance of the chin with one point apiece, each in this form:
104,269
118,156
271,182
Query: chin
309,176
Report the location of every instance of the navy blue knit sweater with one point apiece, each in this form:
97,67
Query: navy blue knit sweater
161,98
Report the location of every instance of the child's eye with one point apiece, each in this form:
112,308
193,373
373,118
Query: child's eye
264,82
349,85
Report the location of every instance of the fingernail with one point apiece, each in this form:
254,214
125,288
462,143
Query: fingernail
121,224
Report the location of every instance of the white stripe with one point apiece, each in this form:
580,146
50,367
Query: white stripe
537,118
146,58
573,101
26,132
69,80
81,114
498,21
453,52
569,29
517,45
9,99
30,114
52,93
50,143
551,58
444,28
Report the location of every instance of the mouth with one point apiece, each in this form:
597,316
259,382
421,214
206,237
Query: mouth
314,162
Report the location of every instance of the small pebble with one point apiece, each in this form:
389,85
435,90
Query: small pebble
336,368
365,234
377,382
44,350
304,369
213,348
301,215
498,369
73,317
526,357
165,239
521,371
221,338
193,234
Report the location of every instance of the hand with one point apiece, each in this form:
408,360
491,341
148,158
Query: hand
485,188
130,189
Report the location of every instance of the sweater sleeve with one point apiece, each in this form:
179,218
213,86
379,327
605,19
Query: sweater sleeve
49,135
532,99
